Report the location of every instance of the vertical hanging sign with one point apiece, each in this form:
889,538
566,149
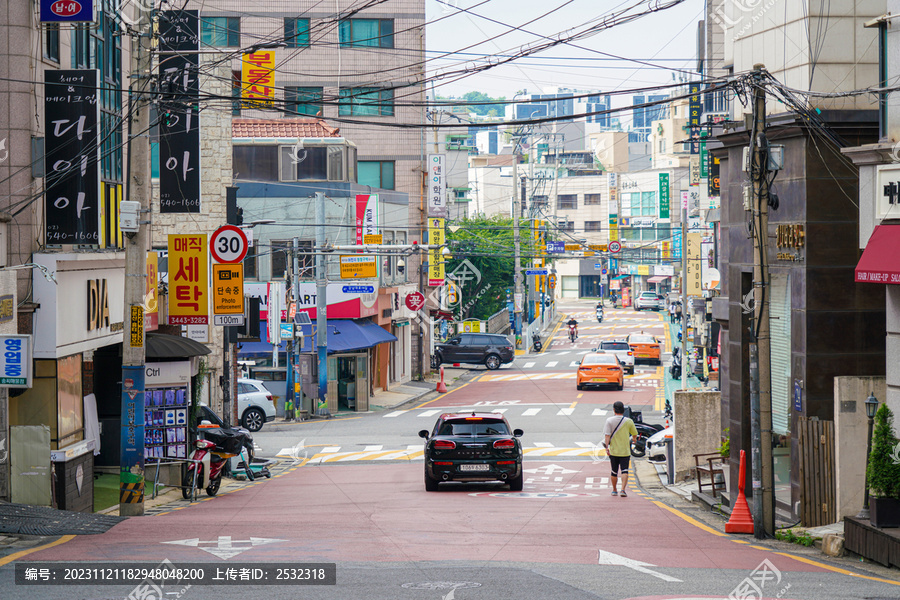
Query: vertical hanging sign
366,216
435,256
188,280
72,156
258,79
179,116
437,186
664,200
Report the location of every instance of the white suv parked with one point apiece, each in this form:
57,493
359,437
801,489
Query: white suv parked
648,300
255,404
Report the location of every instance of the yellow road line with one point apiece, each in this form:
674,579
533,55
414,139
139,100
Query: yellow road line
22,553
836,569
442,395
690,520
574,403
580,395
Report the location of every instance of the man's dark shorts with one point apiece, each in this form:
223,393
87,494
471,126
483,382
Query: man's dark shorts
619,464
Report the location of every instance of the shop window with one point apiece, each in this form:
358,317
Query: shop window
70,401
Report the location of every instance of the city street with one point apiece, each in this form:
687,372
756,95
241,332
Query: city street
354,496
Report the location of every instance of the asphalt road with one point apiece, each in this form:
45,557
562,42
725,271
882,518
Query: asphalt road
354,496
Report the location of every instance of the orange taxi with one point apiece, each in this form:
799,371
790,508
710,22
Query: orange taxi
600,369
645,348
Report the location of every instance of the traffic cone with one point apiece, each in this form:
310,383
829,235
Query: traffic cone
441,386
741,520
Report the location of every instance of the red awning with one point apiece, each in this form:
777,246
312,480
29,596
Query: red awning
658,278
880,262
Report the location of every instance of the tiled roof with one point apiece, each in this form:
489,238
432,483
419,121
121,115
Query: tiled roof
282,128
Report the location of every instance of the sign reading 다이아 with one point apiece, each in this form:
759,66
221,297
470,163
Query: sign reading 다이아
359,266
188,280
15,361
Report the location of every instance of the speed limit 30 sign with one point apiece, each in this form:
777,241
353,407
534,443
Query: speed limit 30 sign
228,244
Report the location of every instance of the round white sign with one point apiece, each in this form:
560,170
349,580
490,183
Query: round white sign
614,246
228,244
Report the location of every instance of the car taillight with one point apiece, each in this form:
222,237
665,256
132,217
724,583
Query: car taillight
444,445
585,368
504,444
444,463
271,399
630,353
506,462
614,369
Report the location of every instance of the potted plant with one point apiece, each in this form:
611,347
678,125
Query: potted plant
725,444
883,473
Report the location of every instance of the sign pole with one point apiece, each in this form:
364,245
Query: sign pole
131,463
321,307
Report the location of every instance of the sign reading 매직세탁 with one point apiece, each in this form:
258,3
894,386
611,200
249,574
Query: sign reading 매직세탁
15,361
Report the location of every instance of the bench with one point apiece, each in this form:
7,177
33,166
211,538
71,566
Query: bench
714,463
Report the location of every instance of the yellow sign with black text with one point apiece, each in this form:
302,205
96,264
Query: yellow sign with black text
435,256
228,289
136,326
359,266
372,238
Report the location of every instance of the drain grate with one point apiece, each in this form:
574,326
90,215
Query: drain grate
24,519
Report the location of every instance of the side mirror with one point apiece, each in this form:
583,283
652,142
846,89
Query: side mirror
423,434
518,432
454,341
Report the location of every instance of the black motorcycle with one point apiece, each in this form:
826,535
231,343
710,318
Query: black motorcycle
675,367
536,342
645,431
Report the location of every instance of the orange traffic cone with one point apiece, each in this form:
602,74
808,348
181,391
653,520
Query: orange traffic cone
441,386
741,520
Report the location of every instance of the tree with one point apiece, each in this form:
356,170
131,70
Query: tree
483,263
479,109
883,474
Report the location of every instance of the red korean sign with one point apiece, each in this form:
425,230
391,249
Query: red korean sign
415,301
188,280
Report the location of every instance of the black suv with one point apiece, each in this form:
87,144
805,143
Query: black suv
488,349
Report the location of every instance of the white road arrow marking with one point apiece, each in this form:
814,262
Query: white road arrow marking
549,470
225,547
608,558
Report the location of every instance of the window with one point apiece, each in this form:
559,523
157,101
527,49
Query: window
326,163
250,264
648,204
377,173
81,47
662,145
296,32
460,194
592,199
255,162
564,201
51,42
626,202
220,32
376,33
565,225
279,257
593,225
303,100
366,102
236,93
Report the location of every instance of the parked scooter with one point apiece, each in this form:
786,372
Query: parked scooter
645,431
210,457
536,342
675,367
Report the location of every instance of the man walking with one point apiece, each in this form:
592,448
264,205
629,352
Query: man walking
617,432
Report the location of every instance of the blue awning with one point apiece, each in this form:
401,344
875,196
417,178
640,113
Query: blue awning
344,335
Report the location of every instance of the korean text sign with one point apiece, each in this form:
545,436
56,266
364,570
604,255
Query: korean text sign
258,78
72,156
15,361
188,280
437,186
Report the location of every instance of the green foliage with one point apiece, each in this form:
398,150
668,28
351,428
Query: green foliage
804,539
487,243
883,473
725,446
483,110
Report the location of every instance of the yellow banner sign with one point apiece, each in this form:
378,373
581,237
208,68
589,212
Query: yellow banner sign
597,247
228,289
573,247
359,266
435,257
136,326
258,77
188,279
372,238
693,283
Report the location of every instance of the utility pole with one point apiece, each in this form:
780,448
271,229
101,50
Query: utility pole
685,363
321,307
760,370
518,294
131,474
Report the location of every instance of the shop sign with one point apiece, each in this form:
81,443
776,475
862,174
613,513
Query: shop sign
572,247
7,308
136,326
436,274
151,300
161,374
372,238
359,267
613,225
695,106
98,304
258,78
188,280
15,361
68,11
437,186
366,217
72,156
712,185
663,195
695,170
693,280
790,239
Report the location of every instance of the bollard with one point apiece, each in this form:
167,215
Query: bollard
441,386
670,459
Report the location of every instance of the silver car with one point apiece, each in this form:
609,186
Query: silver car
255,404
648,300
622,350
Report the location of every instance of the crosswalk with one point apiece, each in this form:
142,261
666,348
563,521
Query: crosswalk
639,380
510,411
414,452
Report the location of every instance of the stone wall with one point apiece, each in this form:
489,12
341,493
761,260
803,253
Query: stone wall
697,427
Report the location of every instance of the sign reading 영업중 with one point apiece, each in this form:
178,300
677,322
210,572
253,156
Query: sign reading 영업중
358,266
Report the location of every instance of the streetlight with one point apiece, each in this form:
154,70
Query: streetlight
871,409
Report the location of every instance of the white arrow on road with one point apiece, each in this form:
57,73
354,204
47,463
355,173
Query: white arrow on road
549,470
225,547
608,558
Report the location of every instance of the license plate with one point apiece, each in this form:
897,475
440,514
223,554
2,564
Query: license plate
599,380
481,467
642,355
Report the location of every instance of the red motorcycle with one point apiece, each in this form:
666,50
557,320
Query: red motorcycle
207,464
573,332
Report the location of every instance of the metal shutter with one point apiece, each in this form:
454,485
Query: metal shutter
780,330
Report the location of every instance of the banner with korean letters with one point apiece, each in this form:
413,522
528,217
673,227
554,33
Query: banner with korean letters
188,279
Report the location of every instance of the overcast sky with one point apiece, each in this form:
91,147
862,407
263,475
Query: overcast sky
667,38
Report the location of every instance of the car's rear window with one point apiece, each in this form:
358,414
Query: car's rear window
600,359
474,428
499,340
642,339
648,295
614,346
